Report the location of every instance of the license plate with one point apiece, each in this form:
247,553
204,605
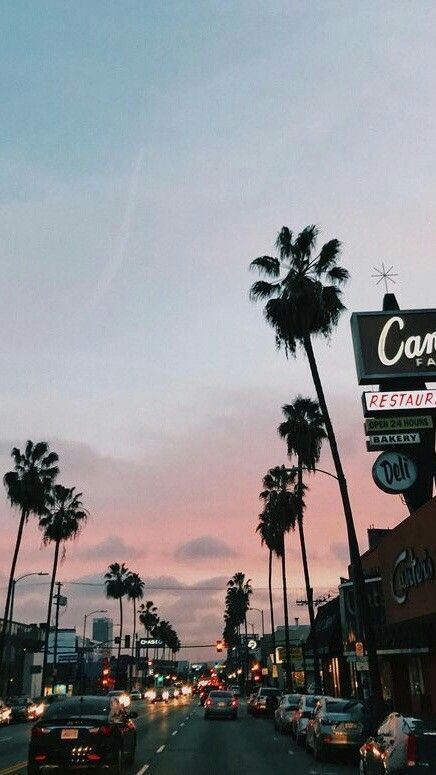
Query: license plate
69,734
350,725
221,704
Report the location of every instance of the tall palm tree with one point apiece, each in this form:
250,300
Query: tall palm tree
63,522
280,504
239,592
28,489
116,581
304,432
135,591
304,301
149,619
268,537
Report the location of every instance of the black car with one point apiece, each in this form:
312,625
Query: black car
83,732
267,701
22,709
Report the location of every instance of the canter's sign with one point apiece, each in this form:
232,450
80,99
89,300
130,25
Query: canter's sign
407,423
391,345
399,400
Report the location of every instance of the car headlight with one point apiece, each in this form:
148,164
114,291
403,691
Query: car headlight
39,709
165,695
151,694
124,700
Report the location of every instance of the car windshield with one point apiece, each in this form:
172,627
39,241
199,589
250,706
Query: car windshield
309,701
93,706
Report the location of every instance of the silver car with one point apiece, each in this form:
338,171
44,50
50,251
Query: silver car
221,704
336,724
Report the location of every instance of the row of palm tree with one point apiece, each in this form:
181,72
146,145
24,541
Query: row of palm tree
32,491
237,603
120,583
303,294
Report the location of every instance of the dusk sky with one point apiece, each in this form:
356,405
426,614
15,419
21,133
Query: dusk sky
150,151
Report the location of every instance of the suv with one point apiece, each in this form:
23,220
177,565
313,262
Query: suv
266,701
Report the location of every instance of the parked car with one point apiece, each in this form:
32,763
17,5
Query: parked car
336,724
221,704
285,712
399,744
301,717
83,733
5,713
121,695
250,702
22,709
266,702
135,695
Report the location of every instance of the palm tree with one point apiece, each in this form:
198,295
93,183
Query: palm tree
149,619
304,432
269,538
239,592
63,522
116,581
135,591
304,301
28,489
281,508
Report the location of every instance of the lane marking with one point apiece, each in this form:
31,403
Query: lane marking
182,724
143,769
159,750
174,733
13,768
5,739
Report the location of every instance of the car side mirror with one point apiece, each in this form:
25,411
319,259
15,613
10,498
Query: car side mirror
133,714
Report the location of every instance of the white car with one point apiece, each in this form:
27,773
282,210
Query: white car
301,717
400,743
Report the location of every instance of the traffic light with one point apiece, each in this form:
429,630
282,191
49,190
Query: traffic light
127,641
106,679
219,645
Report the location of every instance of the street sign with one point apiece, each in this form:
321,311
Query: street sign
394,472
144,642
275,672
362,664
264,671
406,423
382,440
399,400
252,644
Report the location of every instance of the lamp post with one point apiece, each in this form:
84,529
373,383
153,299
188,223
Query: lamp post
85,617
11,613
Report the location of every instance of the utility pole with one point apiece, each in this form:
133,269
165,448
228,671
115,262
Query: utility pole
55,645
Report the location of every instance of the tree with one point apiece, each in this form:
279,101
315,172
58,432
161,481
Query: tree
63,522
281,509
239,592
135,591
149,619
304,301
269,538
28,489
116,581
304,432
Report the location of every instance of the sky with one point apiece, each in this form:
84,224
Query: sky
149,152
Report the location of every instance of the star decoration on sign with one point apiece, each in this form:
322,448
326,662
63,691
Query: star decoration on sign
385,275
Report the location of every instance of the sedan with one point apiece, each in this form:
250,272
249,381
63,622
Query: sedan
22,709
83,733
220,704
285,712
400,743
336,724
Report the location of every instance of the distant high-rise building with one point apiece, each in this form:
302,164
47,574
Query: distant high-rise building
102,630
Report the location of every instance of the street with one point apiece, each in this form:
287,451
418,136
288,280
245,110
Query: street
175,740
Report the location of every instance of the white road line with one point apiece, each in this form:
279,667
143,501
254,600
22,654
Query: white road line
143,769
182,724
159,750
5,739
174,733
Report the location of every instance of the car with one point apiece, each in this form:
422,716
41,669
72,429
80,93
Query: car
135,695
266,701
122,695
285,712
401,742
84,732
5,713
221,704
22,709
336,724
204,693
301,717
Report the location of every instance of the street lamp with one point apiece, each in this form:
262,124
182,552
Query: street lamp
90,613
14,583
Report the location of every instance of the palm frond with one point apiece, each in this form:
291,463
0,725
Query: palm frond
267,265
262,289
305,242
328,257
284,242
338,274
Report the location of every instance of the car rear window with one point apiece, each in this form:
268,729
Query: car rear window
309,701
292,699
76,708
223,695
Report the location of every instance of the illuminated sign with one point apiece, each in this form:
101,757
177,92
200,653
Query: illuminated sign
391,345
408,423
399,400
394,472
410,571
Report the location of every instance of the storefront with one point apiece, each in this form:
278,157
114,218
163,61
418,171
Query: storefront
404,560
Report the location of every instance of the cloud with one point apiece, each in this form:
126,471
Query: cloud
339,550
108,548
203,548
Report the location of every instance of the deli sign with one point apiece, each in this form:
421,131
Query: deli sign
391,345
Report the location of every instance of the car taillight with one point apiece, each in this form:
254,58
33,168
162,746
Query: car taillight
40,757
234,703
93,757
39,731
208,702
411,751
105,729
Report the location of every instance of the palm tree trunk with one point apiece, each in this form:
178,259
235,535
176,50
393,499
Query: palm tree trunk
286,615
117,675
309,590
23,518
271,606
48,622
132,670
247,661
363,618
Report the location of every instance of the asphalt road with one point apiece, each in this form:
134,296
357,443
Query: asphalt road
175,739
